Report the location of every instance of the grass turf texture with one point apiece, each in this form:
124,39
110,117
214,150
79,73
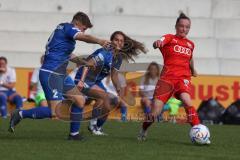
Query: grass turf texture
46,139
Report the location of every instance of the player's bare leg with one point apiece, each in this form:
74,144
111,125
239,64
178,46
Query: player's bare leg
102,107
191,112
16,116
77,105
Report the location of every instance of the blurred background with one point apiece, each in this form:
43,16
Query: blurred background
27,24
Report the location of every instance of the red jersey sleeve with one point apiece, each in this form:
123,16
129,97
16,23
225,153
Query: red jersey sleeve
165,39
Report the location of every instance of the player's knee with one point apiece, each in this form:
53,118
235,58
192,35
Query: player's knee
105,97
79,100
17,100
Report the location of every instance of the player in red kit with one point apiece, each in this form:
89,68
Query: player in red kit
175,77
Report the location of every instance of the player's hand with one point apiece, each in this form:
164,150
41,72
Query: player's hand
157,44
80,85
105,43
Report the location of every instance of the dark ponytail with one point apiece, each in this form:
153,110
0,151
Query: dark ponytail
131,48
182,16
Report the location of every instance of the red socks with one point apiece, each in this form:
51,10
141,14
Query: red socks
192,116
148,122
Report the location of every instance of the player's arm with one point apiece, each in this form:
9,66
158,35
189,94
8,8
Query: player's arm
157,44
80,61
115,80
12,80
162,41
116,65
193,71
33,86
9,85
91,62
91,39
142,92
34,80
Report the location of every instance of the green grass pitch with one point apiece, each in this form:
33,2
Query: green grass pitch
46,140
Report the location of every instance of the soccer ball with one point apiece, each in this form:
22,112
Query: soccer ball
200,134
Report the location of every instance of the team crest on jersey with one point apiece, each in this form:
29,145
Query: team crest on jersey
99,58
186,82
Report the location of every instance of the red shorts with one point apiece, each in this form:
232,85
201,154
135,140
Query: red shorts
166,88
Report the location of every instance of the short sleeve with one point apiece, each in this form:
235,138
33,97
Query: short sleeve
12,75
71,31
98,58
165,39
35,76
117,62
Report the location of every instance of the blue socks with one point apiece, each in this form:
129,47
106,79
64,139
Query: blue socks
3,106
147,109
75,117
102,118
37,113
17,100
124,113
101,121
96,112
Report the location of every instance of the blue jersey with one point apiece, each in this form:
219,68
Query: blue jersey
59,47
104,63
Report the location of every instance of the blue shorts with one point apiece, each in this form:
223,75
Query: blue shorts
55,85
8,93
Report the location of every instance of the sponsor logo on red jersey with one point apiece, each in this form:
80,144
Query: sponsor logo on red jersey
182,50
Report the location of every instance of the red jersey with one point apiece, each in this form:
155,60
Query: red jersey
177,53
